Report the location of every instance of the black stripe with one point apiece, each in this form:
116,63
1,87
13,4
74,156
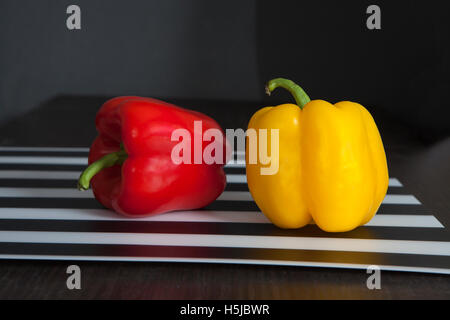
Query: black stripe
244,187
38,183
397,190
219,205
403,209
236,187
42,167
282,255
234,170
63,203
222,228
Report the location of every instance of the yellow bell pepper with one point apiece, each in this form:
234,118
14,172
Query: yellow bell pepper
332,165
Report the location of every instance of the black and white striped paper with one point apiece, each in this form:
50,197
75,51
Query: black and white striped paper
44,216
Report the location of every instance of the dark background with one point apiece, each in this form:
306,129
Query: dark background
221,51
215,56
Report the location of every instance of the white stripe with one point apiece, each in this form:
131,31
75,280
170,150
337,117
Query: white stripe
46,175
400,199
239,163
74,175
236,178
44,193
235,196
242,178
44,149
420,221
66,149
44,160
226,260
439,248
6,192
393,182
392,220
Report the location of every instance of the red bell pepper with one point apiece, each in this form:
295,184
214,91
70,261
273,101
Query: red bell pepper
130,160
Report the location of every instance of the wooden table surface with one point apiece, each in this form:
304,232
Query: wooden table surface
424,168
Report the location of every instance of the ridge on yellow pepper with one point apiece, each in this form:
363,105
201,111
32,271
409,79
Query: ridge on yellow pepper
332,163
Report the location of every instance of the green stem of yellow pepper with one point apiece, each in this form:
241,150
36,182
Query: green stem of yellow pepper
300,96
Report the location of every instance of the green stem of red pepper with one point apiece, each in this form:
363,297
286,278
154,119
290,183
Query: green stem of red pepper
300,96
109,160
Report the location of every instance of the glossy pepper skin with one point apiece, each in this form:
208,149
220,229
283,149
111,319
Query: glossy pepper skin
130,160
332,163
